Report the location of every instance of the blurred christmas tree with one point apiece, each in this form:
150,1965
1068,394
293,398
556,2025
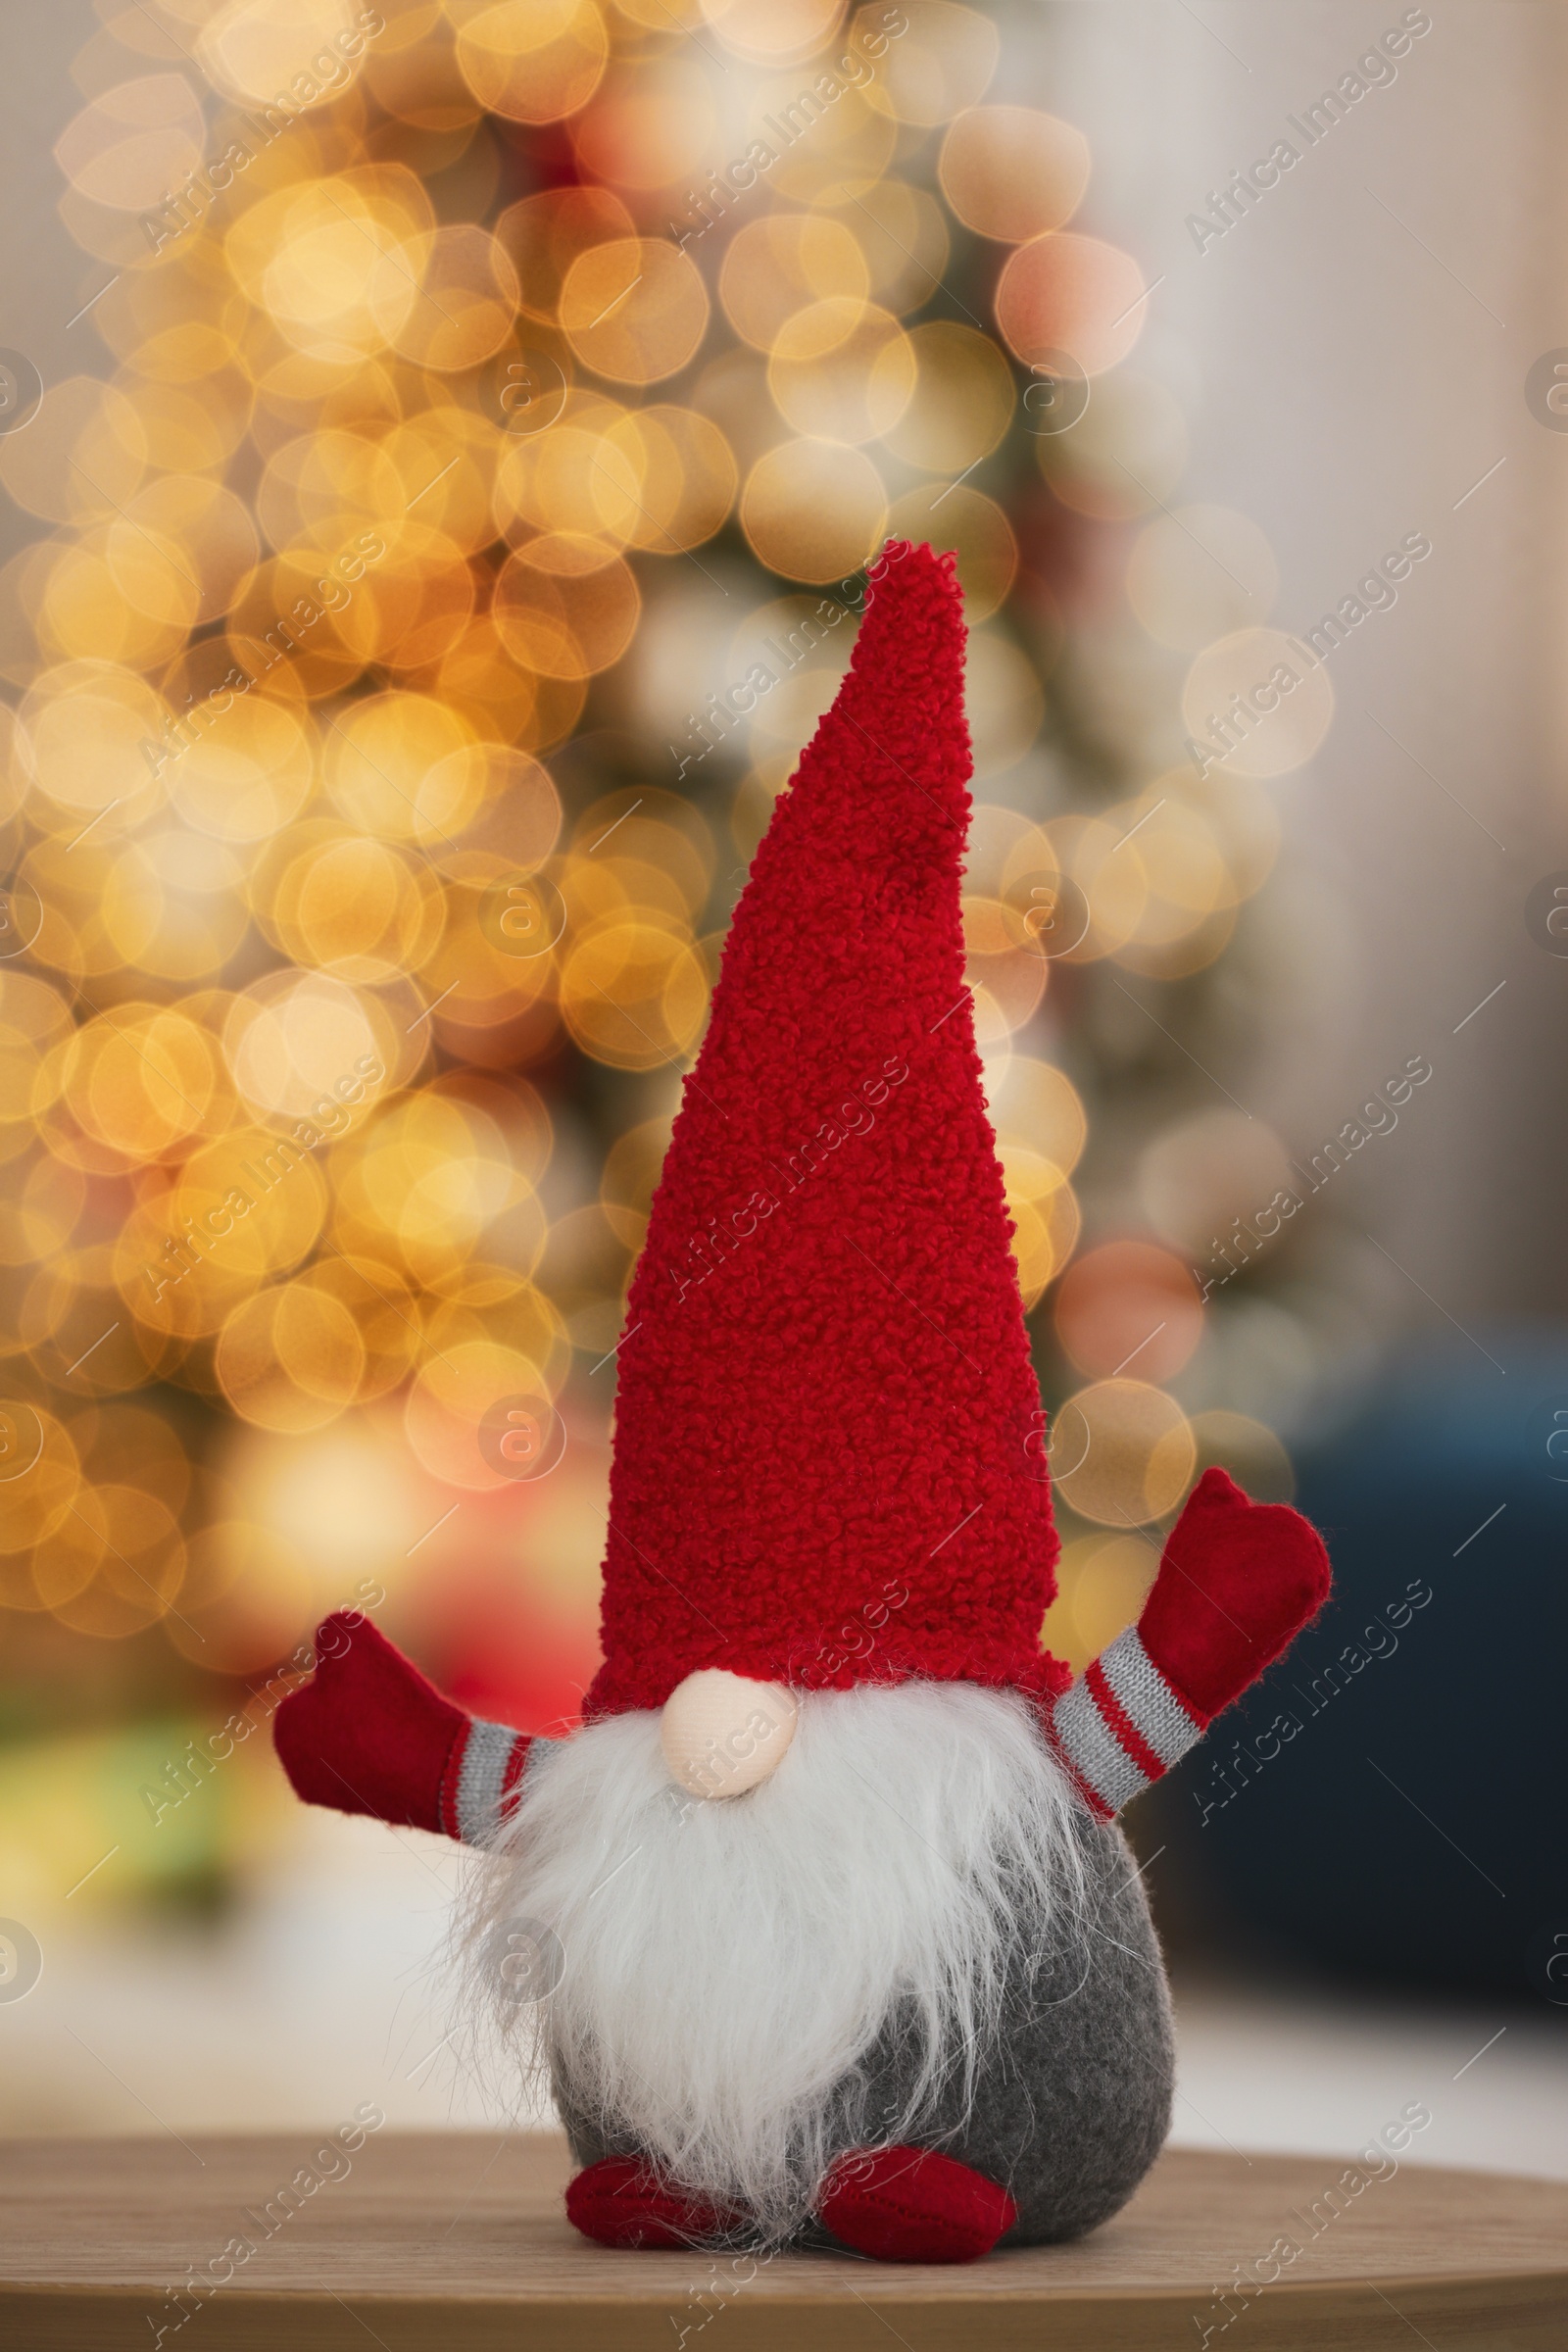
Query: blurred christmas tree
503,398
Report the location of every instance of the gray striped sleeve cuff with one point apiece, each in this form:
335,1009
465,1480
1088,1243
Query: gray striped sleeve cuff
1143,1693
1092,1749
481,1777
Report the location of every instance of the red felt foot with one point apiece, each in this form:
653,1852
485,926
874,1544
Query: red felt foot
1237,1583
367,1733
913,2205
620,2202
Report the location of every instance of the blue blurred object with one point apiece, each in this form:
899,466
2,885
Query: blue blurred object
1389,1799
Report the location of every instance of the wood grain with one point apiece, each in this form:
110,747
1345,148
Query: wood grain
455,2242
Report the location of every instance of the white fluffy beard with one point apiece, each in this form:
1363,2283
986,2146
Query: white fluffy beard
725,1967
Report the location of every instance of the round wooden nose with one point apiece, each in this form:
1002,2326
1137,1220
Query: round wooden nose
722,1733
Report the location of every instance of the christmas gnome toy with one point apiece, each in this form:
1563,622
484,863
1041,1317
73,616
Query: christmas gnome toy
845,1947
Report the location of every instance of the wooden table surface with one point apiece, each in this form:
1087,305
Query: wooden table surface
455,2241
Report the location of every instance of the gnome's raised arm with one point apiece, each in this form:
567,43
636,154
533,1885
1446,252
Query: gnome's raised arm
367,1733
1237,1583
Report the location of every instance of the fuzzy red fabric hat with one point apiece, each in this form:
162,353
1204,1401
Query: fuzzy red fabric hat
827,1461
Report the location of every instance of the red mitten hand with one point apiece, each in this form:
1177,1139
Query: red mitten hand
1237,1582
367,1733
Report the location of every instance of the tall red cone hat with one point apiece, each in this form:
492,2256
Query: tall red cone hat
827,1458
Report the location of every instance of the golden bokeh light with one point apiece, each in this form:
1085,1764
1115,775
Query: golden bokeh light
650,123
566,606
1069,293
779,265
136,1575
241,772
1046,1222
962,400
1103,1583
1190,897
1012,173
290,1358
43,1476
1122,1453
81,458
1034,1104
447,1405
633,990
381,757
630,1173
1083,885
328,263
358,908
410,70
633,308
813,509
849,147
86,724
902,236
938,66
1006,973
1249,1450
963,521
1129,1302
255,49
531,61
135,141
543,234
467,299
842,369
771,29
798,643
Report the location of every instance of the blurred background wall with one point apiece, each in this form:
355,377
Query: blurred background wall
1356,352
617,437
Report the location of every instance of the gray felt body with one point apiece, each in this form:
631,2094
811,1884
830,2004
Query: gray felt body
1072,2095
